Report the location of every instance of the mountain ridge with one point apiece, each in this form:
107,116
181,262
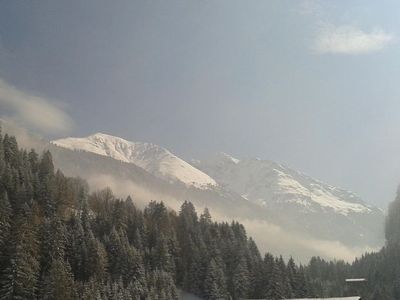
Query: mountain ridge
334,235
153,158
263,182
239,175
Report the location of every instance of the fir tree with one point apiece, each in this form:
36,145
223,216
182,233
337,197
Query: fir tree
2,158
5,219
21,266
275,288
241,280
11,152
214,283
59,283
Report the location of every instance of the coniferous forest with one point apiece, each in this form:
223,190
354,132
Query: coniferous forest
58,241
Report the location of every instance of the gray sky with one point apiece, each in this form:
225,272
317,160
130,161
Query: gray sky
312,84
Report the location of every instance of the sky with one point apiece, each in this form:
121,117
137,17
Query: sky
311,84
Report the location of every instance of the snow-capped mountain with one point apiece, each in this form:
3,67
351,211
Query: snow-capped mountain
154,159
300,201
271,184
285,211
310,217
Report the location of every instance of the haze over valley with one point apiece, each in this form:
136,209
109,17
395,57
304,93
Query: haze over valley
286,211
169,149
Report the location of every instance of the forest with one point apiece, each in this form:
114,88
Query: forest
60,241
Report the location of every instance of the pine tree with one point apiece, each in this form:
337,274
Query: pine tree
53,241
193,264
287,289
97,260
214,284
241,280
47,185
77,251
2,158
392,229
137,289
137,240
5,219
33,159
59,283
255,267
11,152
205,218
161,286
302,290
293,278
19,276
92,290
188,216
275,289
161,258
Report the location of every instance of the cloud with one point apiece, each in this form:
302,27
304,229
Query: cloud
269,237
33,111
123,188
26,139
298,245
350,40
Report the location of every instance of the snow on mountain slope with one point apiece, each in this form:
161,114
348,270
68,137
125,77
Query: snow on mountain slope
154,159
317,192
271,184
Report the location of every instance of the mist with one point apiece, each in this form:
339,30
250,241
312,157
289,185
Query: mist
269,237
280,115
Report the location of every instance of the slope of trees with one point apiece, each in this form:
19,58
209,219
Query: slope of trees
381,269
57,241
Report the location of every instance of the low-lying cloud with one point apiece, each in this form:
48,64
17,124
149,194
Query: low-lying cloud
275,239
124,188
33,111
269,237
26,139
350,40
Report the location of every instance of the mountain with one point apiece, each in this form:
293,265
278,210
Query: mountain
271,184
154,159
275,209
145,181
319,208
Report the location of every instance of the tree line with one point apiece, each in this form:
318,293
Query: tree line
58,241
381,269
